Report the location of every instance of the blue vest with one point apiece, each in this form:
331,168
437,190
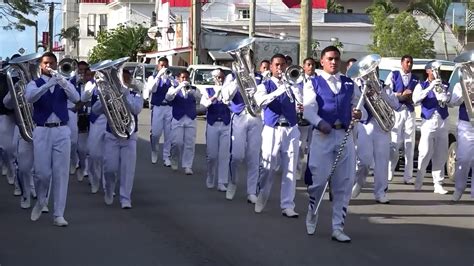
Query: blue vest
332,107
55,102
158,96
135,117
217,111
280,106
95,97
183,106
398,86
237,105
463,113
430,103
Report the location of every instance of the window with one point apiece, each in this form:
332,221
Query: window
91,25
102,22
244,13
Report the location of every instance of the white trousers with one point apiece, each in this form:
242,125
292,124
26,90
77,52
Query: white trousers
322,154
246,142
72,124
95,144
464,155
24,162
218,153
7,148
433,146
403,133
303,148
280,147
183,134
373,146
52,149
161,117
119,163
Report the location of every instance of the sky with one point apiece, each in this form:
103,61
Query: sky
12,40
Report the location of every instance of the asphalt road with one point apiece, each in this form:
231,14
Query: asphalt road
176,220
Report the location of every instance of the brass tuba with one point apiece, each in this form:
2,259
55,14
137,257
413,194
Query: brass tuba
465,62
244,69
27,68
365,70
109,82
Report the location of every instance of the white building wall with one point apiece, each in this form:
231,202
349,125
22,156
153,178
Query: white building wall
359,6
86,43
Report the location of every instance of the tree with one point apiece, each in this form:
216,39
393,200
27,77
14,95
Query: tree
387,5
399,35
334,7
436,10
15,12
120,42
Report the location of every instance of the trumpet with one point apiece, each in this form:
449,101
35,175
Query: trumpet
291,76
439,89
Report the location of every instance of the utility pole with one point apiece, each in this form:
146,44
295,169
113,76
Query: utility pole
51,26
196,18
305,29
36,36
252,10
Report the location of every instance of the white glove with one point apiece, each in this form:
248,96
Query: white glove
62,82
250,91
50,83
217,89
161,72
434,83
280,90
183,84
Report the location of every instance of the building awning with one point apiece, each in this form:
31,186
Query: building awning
220,56
168,52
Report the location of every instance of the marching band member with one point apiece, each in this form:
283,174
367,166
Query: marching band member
433,143
217,134
120,154
161,112
403,132
246,138
183,99
78,123
465,145
373,145
328,105
97,129
280,137
264,69
51,137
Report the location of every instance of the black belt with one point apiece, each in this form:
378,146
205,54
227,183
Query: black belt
338,126
282,124
60,124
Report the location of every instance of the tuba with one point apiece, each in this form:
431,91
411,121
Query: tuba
244,69
435,66
465,62
109,84
365,70
27,68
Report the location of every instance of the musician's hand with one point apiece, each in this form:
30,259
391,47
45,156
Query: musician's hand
161,72
370,92
62,82
434,84
324,127
51,82
356,114
250,91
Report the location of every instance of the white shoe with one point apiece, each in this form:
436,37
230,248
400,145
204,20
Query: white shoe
25,202
383,200
72,170
33,193
390,177
340,236
167,162
45,209
290,213
457,195
260,204
108,198
252,199
311,221
154,157
10,180
126,205
418,184
80,175
36,212
221,188
188,171
4,170
231,189
94,189
356,190
17,191
439,189
174,165
60,221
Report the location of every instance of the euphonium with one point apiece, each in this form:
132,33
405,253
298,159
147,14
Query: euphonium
109,83
380,109
293,75
67,68
439,89
465,63
27,68
244,69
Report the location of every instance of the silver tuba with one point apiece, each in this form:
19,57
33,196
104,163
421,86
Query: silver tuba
435,66
244,69
465,62
109,83
365,70
27,68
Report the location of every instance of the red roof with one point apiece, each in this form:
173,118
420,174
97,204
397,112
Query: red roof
181,3
320,4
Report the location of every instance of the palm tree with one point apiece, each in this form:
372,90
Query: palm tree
436,10
387,5
334,7
72,34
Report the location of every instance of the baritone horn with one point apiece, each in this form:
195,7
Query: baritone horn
116,109
27,69
435,67
465,62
